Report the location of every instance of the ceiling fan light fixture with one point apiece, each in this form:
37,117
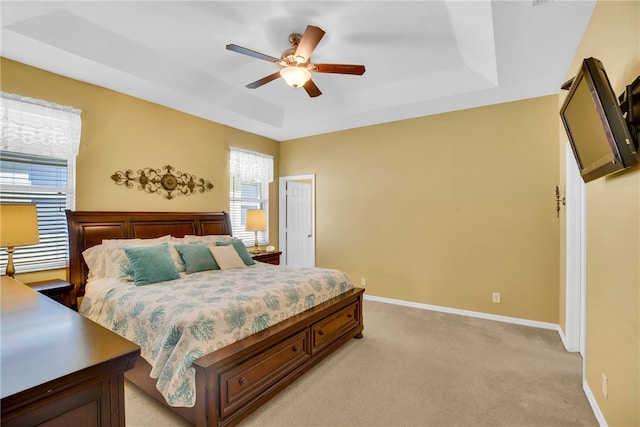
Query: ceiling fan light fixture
295,76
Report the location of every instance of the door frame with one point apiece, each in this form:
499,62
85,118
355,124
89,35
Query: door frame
282,212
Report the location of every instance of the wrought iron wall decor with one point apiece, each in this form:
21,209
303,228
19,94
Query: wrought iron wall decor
157,181
559,199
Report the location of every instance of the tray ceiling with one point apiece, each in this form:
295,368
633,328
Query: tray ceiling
421,57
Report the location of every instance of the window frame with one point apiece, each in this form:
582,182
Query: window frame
250,168
51,201
238,224
36,132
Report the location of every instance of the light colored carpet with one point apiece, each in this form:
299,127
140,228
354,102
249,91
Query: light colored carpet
422,368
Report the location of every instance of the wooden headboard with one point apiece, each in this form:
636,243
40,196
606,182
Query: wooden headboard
88,228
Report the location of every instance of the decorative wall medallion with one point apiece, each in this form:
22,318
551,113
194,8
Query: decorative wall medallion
158,181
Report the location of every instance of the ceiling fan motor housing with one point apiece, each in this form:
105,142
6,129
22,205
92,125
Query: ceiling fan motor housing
294,39
289,55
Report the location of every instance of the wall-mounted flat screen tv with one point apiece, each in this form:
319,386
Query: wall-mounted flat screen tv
595,125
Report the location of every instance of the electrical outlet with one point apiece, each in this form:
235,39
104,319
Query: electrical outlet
496,297
363,281
605,384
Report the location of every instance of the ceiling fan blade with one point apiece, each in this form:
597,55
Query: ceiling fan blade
312,89
309,41
264,80
339,69
245,51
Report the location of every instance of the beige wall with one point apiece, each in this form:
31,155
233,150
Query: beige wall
121,132
613,233
444,209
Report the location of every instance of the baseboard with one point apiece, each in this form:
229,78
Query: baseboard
478,314
594,404
563,338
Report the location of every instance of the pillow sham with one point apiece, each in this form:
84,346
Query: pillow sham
240,248
175,256
116,262
197,257
118,265
209,239
107,260
151,264
120,241
95,259
227,257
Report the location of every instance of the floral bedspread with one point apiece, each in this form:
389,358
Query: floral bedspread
178,321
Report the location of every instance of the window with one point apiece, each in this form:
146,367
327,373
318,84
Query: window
39,144
251,173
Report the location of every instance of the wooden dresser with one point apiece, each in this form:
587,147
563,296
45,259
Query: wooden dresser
58,368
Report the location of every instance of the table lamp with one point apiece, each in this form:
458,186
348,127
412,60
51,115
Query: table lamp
18,227
256,221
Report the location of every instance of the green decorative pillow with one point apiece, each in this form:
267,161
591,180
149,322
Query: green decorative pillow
151,264
240,248
197,257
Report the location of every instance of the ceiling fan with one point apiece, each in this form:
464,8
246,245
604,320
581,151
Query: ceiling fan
295,63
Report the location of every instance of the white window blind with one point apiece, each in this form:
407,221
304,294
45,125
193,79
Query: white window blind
251,173
38,147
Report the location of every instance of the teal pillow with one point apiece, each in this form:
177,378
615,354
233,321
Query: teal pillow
240,248
151,264
197,257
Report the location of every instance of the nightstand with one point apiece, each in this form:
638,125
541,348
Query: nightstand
59,290
268,257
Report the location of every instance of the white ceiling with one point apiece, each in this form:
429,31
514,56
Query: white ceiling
421,57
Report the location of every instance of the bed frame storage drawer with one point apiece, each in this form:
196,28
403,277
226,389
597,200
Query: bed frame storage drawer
329,329
257,374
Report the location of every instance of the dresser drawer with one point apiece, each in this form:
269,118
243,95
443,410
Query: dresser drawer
327,330
248,380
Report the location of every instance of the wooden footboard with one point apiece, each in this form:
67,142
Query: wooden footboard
236,380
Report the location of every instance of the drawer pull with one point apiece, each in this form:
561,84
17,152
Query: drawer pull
295,348
242,381
320,332
349,315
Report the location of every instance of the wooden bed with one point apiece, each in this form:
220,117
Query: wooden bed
235,380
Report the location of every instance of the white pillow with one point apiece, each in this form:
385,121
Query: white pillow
227,257
95,259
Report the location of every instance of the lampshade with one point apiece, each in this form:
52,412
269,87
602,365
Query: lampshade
18,225
256,220
295,76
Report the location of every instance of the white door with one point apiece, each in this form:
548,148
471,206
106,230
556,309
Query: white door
576,257
298,239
